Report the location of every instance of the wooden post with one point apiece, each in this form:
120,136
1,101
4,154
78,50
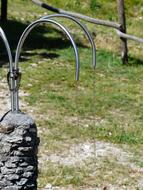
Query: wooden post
122,21
3,10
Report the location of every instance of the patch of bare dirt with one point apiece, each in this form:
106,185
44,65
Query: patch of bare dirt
4,98
5,102
81,152
86,121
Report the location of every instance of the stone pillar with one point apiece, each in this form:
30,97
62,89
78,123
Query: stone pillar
18,152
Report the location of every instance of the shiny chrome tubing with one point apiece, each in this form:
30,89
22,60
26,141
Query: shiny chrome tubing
3,36
89,36
21,42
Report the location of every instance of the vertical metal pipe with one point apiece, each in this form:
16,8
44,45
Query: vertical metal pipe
3,36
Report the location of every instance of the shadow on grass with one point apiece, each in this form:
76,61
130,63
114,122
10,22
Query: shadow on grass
36,40
134,61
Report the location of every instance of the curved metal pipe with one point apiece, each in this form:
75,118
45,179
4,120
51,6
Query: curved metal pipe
3,36
89,36
23,38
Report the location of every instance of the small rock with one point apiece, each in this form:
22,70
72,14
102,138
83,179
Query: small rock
7,171
6,129
10,165
22,182
12,177
27,175
24,164
28,139
11,188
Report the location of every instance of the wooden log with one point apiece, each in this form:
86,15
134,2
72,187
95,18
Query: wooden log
120,28
122,21
77,15
129,37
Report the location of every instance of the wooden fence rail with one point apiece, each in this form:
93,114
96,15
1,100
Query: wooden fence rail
119,27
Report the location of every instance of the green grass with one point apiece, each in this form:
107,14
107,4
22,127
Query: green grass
88,177
104,105
116,100
117,97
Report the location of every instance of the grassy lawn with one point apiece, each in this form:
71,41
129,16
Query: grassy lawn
102,111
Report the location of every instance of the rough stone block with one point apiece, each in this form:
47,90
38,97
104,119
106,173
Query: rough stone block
18,152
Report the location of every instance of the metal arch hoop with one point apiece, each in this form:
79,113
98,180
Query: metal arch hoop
84,29
3,36
21,42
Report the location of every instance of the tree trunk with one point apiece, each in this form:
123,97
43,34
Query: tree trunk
3,10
